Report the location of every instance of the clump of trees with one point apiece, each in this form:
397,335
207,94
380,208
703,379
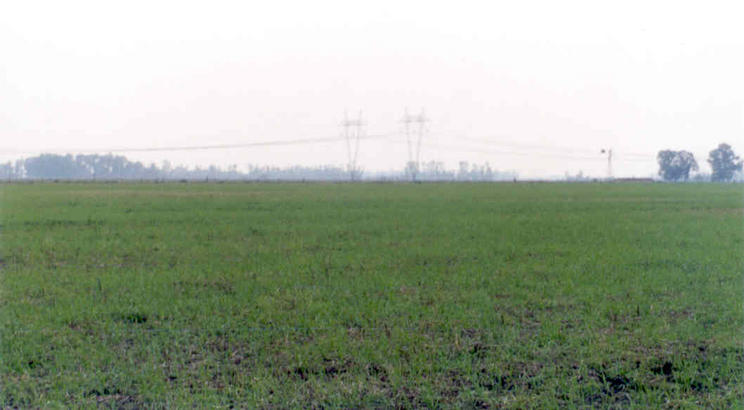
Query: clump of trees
677,165
436,171
93,166
724,163
116,167
12,170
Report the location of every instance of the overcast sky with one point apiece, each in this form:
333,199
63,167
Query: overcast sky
539,87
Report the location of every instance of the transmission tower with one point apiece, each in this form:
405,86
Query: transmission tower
415,128
352,135
609,162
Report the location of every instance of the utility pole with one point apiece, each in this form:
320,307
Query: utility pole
352,135
609,162
414,146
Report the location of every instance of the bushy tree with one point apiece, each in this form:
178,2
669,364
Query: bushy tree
724,163
676,165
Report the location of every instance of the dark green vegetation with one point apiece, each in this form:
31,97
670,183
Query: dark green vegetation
437,295
724,163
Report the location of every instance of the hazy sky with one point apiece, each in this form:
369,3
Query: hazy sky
534,86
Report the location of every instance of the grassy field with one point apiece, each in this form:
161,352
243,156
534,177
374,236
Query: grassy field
335,295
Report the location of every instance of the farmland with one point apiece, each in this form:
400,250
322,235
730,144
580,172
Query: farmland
372,295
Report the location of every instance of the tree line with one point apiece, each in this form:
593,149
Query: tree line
677,165
673,166
117,167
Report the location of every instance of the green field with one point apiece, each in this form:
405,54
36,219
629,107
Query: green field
371,295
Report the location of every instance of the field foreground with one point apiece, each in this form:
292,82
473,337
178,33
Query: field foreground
430,295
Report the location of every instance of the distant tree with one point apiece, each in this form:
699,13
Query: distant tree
411,170
6,171
166,169
724,163
435,171
463,171
676,165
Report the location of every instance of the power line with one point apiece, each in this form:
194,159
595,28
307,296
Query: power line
304,141
487,151
510,144
567,150
415,129
497,151
352,150
558,152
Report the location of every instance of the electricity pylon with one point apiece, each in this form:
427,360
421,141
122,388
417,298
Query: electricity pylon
414,146
609,161
352,135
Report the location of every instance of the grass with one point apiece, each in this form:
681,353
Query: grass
371,295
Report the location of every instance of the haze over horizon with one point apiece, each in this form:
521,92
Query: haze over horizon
536,87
